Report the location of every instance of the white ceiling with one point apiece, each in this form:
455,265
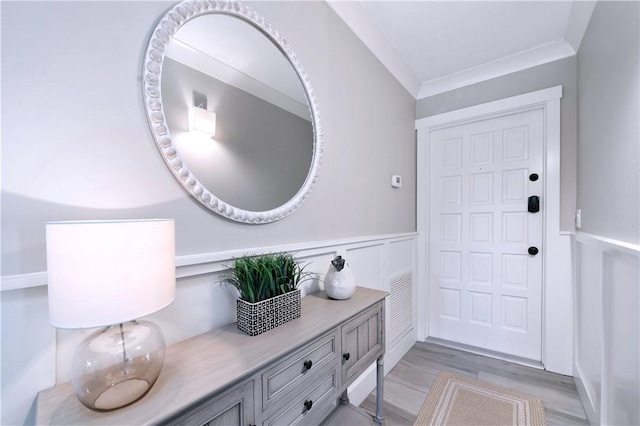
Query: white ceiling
435,46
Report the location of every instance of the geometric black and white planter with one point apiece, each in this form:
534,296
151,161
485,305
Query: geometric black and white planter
256,318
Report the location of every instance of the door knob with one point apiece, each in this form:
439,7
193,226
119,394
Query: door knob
533,251
346,356
308,404
308,364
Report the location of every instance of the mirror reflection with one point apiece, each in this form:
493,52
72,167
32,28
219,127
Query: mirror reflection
262,150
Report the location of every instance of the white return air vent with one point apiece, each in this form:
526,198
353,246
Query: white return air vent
400,306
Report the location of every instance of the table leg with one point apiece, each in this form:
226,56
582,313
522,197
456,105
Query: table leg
379,390
344,398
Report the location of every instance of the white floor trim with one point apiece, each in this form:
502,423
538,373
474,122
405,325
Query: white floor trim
485,352
587,402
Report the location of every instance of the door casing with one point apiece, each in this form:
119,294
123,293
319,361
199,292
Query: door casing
557,288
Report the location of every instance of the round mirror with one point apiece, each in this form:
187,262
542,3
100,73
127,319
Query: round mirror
232,111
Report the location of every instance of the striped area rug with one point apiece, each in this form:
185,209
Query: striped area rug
455,400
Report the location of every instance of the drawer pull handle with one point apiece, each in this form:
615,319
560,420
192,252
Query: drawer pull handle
346,356
308,364
308,404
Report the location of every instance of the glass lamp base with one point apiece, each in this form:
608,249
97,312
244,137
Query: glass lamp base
117,365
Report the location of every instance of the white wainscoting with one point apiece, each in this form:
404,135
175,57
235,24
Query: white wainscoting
36,356
607,334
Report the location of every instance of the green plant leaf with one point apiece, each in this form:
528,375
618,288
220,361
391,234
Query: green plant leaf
261,277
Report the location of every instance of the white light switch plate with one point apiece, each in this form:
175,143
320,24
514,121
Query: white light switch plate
396,181
578,218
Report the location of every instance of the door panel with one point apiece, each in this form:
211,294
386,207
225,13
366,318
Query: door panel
485,288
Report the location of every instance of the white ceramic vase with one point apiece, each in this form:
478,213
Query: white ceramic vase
339,284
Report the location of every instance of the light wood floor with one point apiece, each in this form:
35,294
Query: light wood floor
407,384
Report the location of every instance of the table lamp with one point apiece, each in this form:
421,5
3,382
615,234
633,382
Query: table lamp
108,274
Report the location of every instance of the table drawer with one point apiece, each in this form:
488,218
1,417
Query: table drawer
283,378
312,406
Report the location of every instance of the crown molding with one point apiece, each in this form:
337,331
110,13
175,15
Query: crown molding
356,18
579,18
520,61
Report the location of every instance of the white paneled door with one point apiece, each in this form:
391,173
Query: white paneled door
485,275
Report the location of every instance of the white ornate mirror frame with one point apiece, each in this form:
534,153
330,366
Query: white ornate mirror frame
170,23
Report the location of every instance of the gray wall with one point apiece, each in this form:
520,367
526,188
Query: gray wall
562,72
76,144
260,155
608,120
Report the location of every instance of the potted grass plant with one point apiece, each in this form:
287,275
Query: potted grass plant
269,294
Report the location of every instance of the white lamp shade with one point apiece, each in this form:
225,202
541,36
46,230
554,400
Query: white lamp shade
109,272
202,121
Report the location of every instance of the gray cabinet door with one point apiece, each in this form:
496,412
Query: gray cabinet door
362,341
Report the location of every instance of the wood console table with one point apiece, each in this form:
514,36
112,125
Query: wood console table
297,373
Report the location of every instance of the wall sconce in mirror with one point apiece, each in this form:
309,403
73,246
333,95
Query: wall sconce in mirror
295,127
200,119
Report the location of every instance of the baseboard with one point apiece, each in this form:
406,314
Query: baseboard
590,410
363,385
485,352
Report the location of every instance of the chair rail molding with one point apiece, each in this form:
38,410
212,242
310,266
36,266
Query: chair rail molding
213,262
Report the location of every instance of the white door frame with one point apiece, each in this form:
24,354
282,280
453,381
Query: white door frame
557,289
